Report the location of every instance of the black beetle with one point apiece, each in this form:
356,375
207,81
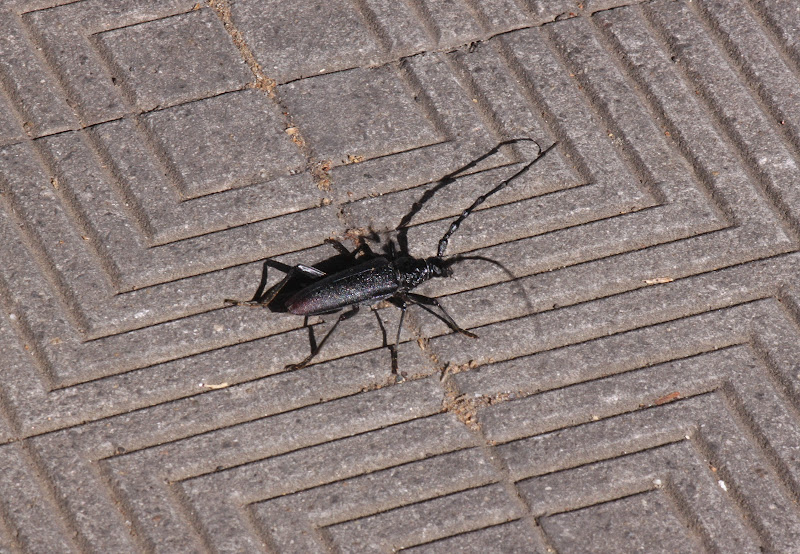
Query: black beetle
375,277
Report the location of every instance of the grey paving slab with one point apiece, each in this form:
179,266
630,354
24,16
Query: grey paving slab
244,142
635,383
35,93
368,111
645,522
175,59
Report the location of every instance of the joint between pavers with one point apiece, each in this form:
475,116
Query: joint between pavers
317,168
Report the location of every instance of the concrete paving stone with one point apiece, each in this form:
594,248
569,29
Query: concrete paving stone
10,126
549,10
22,6
384,213
197,65
110,222
133,478
65,35
681,107
673,470
396,28
530,218
516,536
42,316
592,6
762,65
441,478
35,528
27,80
645,522
783,20
71,456
441,98
324,36
559,327
492,86
311,467
173,340
565,101
363,112
723,452
625,351
447,22
447,98
635,381
82,494
342,36
222,142
6,539
152,198
614,395
707,65
443,516
503,15
56,241
33,205
556,248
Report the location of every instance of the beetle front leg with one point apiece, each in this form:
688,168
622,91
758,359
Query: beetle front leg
315,349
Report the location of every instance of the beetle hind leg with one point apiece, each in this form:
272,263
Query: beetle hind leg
316,348
263,298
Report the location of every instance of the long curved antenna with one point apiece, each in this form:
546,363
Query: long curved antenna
402,227
481,199
453,260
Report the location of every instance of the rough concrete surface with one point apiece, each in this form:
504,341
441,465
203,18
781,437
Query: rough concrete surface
635,386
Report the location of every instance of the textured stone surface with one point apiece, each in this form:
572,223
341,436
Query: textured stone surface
635,385
175,59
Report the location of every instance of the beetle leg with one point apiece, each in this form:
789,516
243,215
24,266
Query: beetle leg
392,347
340,248
403,307
382,327
424,302
315,349
310,271
270,295
259,294
265,298
362,250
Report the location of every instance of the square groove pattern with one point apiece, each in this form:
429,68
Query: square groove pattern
635,384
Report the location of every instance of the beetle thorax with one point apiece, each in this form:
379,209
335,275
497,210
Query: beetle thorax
412,272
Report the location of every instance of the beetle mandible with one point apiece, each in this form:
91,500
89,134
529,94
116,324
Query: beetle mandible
377,277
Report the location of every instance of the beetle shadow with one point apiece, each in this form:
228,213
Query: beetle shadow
450,178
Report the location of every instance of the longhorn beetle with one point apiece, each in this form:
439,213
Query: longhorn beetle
378,277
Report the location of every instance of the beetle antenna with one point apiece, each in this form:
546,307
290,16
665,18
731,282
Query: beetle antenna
481,199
